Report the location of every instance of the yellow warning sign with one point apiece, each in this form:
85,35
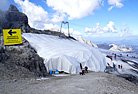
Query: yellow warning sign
12,37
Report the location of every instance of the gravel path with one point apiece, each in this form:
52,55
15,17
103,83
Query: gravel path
90,83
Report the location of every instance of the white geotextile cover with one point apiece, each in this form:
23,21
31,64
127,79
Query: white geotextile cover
65,54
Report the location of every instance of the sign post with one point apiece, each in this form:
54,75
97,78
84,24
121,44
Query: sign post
12,37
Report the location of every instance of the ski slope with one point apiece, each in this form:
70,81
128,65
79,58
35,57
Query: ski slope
65,54
129,64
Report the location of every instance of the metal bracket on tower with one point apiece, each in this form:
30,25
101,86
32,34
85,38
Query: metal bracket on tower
64,22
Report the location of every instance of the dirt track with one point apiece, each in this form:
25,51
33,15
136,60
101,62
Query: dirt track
91,83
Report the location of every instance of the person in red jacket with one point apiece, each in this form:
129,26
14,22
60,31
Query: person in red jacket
115,56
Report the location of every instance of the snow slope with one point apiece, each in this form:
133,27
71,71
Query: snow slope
65,54
129,64
122,48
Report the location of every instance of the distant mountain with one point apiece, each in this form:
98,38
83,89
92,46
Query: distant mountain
122,48
104,46
113,47
80,39
131,41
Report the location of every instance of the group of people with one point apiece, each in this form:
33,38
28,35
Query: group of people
83,70
132,56
114,66
120,66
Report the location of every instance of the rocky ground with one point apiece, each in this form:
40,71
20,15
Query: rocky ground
90,83
21,58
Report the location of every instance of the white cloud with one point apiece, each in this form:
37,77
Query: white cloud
51,27
36,14
58,17
109,9
93,30
77,33
75,8
87,29
97,28
115,3
39,18
125,31
71,31
63,30
123,35
110,27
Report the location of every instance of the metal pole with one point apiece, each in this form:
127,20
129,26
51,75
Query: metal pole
60,29
68,30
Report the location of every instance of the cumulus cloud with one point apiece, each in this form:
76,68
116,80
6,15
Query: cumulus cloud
87,30
63,30
51,27
93,30
58,17
76,33
125,30
110,27
36,14
115,3
71,31
75,8
39,18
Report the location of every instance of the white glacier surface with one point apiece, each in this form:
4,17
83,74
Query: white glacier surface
65,54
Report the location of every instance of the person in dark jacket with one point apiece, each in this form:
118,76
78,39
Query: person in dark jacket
86,69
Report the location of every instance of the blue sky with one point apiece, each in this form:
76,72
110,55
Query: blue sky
87,18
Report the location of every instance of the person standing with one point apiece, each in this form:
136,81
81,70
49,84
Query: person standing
121,66
115,56
86,69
